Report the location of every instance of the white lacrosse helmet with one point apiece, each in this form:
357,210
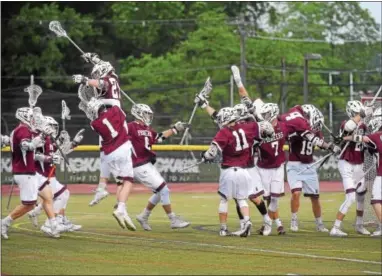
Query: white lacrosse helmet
52,123
354,108
93,107
101,69
269,111
226,115
24,115
266,129
241,110
143,113
308,110
376,121
316,120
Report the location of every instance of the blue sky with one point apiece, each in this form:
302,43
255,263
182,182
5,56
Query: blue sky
375,9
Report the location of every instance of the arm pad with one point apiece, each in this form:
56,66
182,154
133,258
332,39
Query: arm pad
27,145
160,138
315,140
212,152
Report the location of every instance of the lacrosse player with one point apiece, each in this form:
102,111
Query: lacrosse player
143,137
23,146
106,82
374,143
110,124
350,167
46,157
302,141
254,190
234,141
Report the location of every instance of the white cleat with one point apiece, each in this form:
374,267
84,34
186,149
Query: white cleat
144,222
124,220
100,194
377,233
267,228
177,222
48,230
33,218
224,232
336,232
294,225
321,228
246,231
70,226
361,230
4,230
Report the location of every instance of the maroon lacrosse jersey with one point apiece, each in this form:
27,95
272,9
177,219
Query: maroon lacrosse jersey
142,138
271,153
22,161
112,128
376,138
354,151
44,168
300,149
111,92
236,144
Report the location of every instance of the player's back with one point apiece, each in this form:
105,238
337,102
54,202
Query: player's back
271,153
236,144
354,151
112,128
376,138
22,161
142,138
111,91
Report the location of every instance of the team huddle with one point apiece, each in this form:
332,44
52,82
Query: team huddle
250,143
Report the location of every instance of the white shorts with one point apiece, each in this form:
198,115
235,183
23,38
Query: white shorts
57,187
376,194
272,180
255,187
350,175
234,183
104,168
120,162
41,181
61,201
307,182
28,185
149,176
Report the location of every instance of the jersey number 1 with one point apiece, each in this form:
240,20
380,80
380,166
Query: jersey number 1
113,132
239,145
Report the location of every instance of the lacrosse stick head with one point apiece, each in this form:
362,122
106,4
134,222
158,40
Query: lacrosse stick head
55,26
207,88
65,111
34,92
38,122
83,106
86,92
65,144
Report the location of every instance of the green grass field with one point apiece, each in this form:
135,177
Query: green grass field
103,248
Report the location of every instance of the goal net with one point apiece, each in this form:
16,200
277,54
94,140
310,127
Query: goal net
369,216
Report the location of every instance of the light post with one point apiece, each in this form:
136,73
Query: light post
308,57
331,103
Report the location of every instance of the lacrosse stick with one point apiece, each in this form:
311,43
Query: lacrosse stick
376,96
10,194
204,93
65,111
55,26
315,163
34,92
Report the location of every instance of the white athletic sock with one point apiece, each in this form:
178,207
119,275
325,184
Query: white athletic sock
278,222
359,220
171,215
121,208
267,218
60,219
8,220
53,223
102,185
246,218
146,212
223,226
319,221
337,223
294,216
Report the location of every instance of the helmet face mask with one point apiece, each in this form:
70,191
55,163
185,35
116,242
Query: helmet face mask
53,123
24,115
317,120
269,111
241,111
143,113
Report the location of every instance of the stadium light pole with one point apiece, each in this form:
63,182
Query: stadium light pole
308,57
331,102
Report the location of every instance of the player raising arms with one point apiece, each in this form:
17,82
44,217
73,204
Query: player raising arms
234,141
110,124
106,82
46,158
23,145
143,137
374,143
351,168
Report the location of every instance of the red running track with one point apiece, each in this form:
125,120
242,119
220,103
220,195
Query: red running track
325,186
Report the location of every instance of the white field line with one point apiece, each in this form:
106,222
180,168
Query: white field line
372,272
242,248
